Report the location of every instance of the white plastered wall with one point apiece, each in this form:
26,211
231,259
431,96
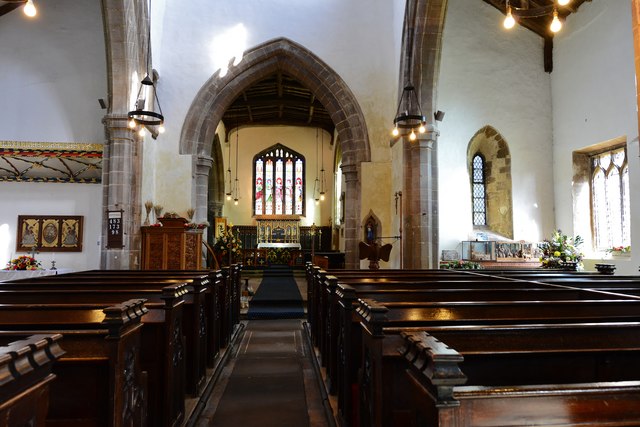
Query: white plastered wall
594,101
52,72
489,76
362,44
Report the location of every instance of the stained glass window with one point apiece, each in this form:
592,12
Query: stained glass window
610,199
278,182
479,191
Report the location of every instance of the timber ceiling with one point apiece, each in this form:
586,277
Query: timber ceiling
7,6
536,15
278,99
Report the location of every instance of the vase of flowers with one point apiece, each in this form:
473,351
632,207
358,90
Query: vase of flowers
227,246
24,262
561,251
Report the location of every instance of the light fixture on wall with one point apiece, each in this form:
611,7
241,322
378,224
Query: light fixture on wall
409,119
140,117
235,185
513,13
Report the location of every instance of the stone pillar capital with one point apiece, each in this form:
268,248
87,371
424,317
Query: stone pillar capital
350,172
203,165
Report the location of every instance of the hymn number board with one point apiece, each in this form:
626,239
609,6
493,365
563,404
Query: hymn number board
114,228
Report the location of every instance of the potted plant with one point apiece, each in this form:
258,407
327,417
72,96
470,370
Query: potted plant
619,251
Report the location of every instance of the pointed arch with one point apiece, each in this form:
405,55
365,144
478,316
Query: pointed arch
282,54
491,146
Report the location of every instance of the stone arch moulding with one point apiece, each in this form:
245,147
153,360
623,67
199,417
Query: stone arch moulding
282,54
499,204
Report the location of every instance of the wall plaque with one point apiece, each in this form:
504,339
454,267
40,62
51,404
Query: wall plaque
114,230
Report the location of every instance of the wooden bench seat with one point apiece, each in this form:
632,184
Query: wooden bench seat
440,394
98,380
443,302
371,318
26,363
162,342
328,322
226,286
196,315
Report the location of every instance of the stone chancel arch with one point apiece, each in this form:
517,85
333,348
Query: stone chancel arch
282,54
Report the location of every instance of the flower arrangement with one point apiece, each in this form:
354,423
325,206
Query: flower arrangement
196,225
23,262
227,242
619,250
460,265
560,250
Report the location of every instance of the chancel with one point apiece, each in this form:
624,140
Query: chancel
205,244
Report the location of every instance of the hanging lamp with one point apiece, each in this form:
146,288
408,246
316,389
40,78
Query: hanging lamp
409,121
235,186
152,116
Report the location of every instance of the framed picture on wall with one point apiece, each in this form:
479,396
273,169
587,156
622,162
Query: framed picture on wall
50,233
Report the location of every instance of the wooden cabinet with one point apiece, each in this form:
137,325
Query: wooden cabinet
171,247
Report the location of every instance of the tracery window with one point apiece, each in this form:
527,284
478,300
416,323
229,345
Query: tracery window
479,190
610,198
278,182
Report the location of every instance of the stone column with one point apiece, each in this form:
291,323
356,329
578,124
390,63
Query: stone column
121,177
351,217
202,168
420,198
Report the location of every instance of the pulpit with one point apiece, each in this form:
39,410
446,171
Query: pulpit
171,247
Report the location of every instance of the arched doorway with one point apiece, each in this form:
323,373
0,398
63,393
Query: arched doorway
215,96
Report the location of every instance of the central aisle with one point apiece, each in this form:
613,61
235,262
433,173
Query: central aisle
270,381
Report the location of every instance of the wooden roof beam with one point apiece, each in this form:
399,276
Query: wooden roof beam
248,106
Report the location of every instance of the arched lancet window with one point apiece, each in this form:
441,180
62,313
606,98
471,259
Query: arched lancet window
610,198
278,182
479,190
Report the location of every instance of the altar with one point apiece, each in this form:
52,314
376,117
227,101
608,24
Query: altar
279,238
279,245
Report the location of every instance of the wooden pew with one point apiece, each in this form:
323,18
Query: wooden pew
329,340
26,374
379,322
98,380
216,298
434,374
163,345
89,289
398,279
435,290
371,317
